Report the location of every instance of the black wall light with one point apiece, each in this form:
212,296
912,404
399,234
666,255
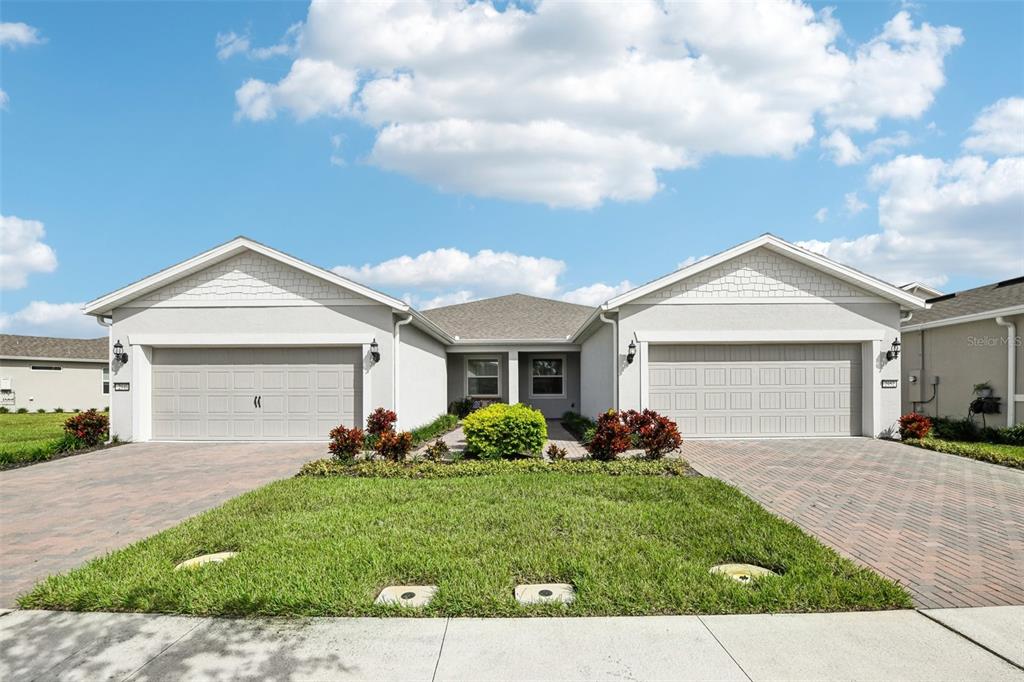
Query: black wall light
631,353
893,352
375,351
119,354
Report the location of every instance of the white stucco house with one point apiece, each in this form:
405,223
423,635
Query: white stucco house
50,373
244,342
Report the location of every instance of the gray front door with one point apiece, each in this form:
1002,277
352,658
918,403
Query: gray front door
254,393
758,391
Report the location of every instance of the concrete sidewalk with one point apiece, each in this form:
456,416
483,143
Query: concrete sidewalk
893,645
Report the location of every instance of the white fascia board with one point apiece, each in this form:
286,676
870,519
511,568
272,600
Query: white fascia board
424,323
809,258
762,336
962,319
506,347
247,340
105,304
96,361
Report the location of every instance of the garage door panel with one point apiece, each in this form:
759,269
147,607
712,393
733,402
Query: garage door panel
736,394
218,404
218,380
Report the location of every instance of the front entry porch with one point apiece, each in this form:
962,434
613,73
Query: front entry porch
547,379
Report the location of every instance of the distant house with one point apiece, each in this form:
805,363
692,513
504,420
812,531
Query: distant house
965,339
42,372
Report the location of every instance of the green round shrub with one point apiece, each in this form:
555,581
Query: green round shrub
501,430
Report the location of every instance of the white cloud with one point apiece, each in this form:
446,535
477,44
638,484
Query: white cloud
230,44
845,152
4,99
451,298
40,318
22,251
598,293
853,204
821,215
17,34
999,129
573,104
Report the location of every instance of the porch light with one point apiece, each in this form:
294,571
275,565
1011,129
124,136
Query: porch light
375,351
893,352
119,354
631,352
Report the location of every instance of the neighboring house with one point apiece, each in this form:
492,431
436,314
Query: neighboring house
244,342
42,372
964,339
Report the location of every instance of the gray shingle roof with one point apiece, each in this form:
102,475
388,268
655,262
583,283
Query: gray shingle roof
12,345
972,301
516,316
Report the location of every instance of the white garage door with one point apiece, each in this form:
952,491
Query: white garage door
254,393
758,391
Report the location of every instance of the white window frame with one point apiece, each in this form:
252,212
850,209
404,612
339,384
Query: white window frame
496,359
564,375
105,380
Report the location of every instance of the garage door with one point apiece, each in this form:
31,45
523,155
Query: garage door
758,391
254,393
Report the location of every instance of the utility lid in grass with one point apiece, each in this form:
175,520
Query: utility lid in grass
407,595
743,573
204,559
544,593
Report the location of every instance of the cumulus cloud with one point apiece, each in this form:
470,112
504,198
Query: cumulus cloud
999,129
598,293
821,215
41,318
22,251
17,34
230,44
4,99
574,104
853,204
844,151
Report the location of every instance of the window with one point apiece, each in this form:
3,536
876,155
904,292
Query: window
482,377
106,380
45,368
547,377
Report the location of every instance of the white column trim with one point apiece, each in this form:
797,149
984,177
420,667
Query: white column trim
141,387
871,401
644,375
513,377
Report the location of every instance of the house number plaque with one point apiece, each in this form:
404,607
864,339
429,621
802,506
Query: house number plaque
890,383
122,386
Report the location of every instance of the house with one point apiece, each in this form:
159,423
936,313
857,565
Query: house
964,339
46,373
763,340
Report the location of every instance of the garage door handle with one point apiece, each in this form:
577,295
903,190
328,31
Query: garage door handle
259,401
254,401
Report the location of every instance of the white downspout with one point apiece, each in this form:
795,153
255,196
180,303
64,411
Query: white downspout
1011,370
906,318
394,366
108,322
615,359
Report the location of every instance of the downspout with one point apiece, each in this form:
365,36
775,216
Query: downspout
615,359
108,322
394,365
1011,370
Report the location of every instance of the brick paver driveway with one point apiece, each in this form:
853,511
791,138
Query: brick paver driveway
948,528
54,516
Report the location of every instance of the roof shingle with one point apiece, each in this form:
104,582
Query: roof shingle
13,345
972,301
516,316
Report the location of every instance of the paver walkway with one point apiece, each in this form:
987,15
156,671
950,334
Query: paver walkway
950,529
888,645
57,515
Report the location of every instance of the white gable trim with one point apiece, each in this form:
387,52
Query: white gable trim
782,247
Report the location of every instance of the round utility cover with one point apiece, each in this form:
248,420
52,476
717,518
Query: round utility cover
743,573
205,559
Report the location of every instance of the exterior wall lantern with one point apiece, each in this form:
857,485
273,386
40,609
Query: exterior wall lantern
631,353
119,354
375,351
893,352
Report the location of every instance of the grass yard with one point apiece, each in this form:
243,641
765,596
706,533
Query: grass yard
631,545
29,437
996,453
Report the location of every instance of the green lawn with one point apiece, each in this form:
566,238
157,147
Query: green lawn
1006,455
29,437
326,546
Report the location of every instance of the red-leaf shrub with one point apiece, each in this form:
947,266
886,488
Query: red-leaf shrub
394,446
89,427
611,436
345,443
380,421
657,434
915,425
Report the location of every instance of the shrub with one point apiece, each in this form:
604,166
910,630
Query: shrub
69,443
611,437
22,410
577,425
89,427
4,409
949,428
1013,435
59,410
394,446
914,425
461,408
381,421
556,453
501,430
41,410
494,467
345,443
437,450
440,426
656,434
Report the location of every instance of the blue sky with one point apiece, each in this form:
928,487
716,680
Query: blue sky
135,135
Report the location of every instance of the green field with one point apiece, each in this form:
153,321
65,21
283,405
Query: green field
631,545
29,437
996,453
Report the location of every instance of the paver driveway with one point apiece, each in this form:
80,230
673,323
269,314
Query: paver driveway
54,516
948,528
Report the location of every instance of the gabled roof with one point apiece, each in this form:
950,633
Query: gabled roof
514,317
922,290
103,305
53,348
991,300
